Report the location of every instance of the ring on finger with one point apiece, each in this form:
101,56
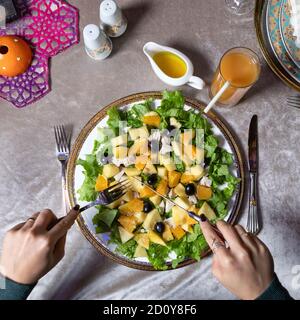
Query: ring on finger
216,244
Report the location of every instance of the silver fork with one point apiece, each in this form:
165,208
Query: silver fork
109,195
294,101
62,153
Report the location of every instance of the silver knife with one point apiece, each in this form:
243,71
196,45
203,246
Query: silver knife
190,213
253,225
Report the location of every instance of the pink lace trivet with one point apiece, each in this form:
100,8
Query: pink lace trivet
50,26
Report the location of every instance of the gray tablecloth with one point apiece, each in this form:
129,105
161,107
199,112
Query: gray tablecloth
30,174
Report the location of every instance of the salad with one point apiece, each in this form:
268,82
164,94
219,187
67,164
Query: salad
175,152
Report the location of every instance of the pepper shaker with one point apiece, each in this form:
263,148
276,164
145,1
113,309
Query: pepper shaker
97,45
112,20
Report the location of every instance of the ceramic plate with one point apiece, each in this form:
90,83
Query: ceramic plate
287,30
84,145
260,19
276,41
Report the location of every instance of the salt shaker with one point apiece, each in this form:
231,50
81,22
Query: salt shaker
97,45
112,20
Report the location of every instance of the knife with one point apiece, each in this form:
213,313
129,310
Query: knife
253,225
190,213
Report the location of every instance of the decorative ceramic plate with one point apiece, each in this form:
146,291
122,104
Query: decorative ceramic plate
260,20
287,30
84,145
273,30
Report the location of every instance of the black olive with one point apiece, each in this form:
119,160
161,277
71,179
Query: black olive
169,130
106,158
152,179
159,227
147,207
190,189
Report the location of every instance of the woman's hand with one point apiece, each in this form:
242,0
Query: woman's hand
244,266
33,248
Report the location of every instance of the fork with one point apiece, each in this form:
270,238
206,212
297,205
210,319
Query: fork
62,153
109,194
294,101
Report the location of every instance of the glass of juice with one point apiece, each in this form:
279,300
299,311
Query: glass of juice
241,68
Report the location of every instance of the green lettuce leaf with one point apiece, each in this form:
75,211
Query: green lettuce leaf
114,118
104,218
158,255
127,248
136,113
91,171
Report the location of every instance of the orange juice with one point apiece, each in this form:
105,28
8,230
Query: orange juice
239,66
169,63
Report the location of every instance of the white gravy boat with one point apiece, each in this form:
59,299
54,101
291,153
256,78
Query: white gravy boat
151,48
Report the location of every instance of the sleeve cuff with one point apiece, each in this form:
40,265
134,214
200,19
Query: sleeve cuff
15,291
275,291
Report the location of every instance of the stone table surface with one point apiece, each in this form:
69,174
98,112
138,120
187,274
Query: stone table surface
30,174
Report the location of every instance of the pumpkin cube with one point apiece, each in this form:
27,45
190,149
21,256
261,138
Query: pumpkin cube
128,223
146,192
152,118
203,192
173,178
141,161
101,183
131,207
178,232
162,187
187,177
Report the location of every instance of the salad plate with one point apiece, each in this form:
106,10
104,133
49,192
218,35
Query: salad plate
287,30
140,231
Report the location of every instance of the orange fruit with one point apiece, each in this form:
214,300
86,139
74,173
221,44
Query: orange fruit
15,56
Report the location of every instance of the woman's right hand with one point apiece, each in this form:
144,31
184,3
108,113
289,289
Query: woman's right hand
244,265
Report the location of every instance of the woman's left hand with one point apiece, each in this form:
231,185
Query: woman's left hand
31,249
